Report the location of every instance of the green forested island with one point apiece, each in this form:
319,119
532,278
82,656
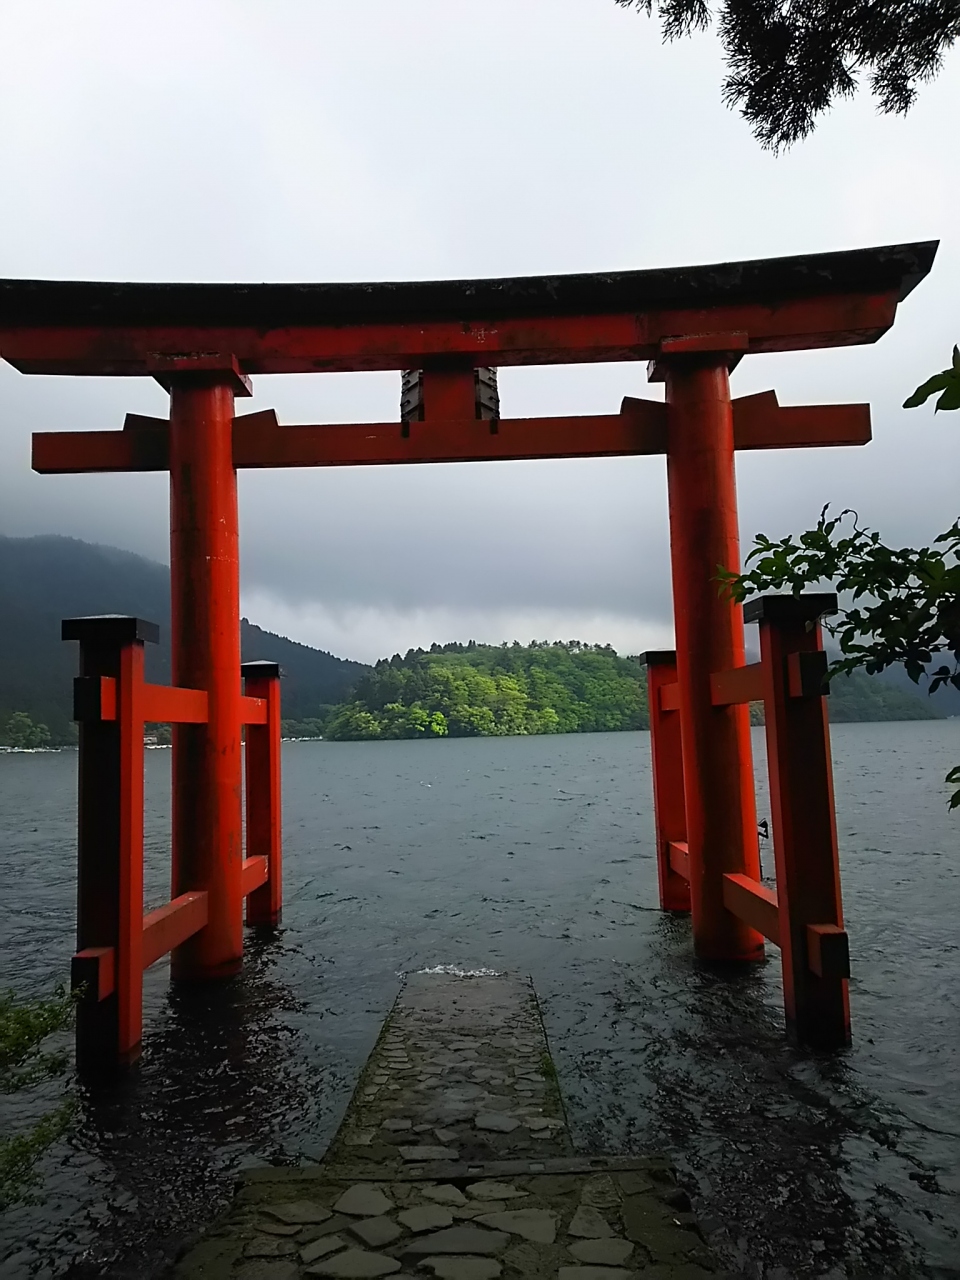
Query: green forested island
475,690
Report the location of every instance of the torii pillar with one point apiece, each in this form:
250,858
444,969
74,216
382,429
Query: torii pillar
721,818
205,651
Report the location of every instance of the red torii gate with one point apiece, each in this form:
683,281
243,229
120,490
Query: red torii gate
202,342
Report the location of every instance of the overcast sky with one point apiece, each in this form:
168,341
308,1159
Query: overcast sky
410,139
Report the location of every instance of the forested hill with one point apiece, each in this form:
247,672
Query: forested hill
472,690
452,690
476,690
45,579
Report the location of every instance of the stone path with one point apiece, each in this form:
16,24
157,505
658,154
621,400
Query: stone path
454,1160
461,1073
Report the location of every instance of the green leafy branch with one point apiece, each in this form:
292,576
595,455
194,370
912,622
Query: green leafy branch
905,602
24,1026
947,383
899,604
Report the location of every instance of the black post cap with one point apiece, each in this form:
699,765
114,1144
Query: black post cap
261,670
790,610
108,629
658,657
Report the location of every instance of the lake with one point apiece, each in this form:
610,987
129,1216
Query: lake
533,855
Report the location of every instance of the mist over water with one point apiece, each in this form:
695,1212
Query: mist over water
533,855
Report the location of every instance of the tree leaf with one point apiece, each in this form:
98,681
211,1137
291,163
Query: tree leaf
951,396
938,382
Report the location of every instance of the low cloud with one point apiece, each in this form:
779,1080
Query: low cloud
351,145
366,633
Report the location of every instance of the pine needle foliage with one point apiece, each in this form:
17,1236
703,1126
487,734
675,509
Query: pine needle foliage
788,61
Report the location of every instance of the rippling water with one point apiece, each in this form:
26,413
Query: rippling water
531,854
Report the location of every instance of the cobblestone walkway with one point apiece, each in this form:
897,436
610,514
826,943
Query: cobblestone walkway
454,1160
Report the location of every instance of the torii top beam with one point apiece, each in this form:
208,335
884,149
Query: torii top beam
775,304
446,329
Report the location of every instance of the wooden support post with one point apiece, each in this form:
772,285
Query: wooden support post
812,939
264,836
717,763
110,840
205,644
666,756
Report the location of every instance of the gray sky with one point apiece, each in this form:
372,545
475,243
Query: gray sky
317,140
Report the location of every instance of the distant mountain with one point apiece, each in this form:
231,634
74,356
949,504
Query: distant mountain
858,697
944,702
45,579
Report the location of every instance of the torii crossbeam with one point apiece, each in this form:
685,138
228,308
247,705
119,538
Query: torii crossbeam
202,342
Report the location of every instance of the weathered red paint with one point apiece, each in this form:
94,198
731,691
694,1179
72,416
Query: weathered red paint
255,872
127,350
742,684
669,804
264,839
804,824
639,428
721,825
754,904
168,926
803,917
116,941
130,924
205,644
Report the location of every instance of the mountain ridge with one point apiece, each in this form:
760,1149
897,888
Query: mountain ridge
48,577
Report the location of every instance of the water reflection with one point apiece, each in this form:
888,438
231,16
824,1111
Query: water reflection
765,1134
222,1074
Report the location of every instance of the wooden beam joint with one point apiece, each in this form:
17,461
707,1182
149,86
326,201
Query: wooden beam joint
828,951
739,684
678,853
754,904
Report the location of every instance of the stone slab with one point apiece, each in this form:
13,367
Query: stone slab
539,1225
262,1270
425,1218
299,1213
376,1232
594,1273
463,1268
321,1248
605,1251
467,1240
364,1202
355,1264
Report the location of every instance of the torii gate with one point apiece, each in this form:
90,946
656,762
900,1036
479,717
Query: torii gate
693,324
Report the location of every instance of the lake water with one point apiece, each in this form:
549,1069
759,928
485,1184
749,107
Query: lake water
533,855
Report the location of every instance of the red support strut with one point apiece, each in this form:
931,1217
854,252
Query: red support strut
115,940
813,942
262,681
669,805
109,963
